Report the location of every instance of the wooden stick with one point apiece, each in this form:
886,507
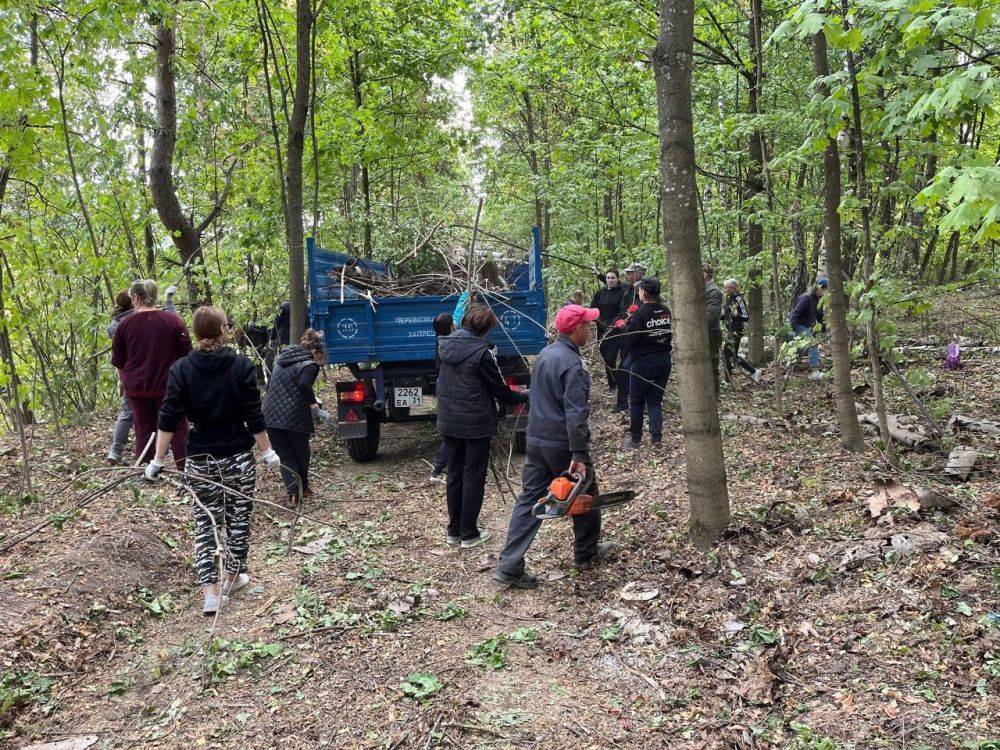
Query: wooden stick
471,270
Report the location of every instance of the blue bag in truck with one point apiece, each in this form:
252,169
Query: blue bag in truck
388,343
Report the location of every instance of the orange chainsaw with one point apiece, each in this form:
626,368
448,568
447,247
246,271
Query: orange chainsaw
567,497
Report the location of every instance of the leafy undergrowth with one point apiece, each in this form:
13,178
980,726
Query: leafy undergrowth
815,624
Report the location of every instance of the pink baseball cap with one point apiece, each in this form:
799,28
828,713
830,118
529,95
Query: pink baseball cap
570,317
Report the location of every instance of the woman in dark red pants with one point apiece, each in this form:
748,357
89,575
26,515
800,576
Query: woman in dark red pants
145,344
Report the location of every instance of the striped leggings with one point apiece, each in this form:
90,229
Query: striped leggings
228,515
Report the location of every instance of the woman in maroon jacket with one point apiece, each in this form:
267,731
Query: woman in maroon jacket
145,344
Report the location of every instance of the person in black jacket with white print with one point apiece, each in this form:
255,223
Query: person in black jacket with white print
469,386
215,389
736,315
647,336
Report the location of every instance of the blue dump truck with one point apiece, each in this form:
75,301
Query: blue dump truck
388,344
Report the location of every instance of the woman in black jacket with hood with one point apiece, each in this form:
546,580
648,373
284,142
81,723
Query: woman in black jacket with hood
469,386
215,389
291,408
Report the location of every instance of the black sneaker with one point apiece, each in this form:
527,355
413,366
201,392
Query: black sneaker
523,581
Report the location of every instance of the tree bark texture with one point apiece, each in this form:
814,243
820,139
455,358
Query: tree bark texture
293,170
754,187
705,464
868,254
840,349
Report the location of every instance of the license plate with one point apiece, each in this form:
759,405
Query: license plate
406,397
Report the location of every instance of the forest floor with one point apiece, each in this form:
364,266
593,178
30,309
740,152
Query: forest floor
813,625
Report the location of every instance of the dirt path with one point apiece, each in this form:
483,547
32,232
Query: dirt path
788,634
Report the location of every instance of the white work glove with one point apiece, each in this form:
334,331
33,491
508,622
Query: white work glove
321,415
154,467
171,290
270,459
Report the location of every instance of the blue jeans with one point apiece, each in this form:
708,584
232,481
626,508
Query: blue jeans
648,376
813,350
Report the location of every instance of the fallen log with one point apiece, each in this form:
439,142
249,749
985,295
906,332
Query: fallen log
912,436
961,422
961,461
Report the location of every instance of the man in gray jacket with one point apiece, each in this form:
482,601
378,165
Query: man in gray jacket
558,439
713,302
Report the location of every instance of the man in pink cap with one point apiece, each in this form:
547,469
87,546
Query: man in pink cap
558,439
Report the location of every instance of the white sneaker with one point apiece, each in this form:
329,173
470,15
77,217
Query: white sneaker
214,603
816,375
756,375
236,584
470,543
113,458
454,541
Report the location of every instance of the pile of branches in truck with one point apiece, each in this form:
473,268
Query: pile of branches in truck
442,274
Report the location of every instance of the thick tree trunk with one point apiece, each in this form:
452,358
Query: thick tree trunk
293,171
840,349
185,234
754,187
705,464
161,178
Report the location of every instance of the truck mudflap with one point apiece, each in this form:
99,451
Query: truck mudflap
352,414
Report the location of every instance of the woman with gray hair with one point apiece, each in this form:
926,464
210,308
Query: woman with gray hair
146,342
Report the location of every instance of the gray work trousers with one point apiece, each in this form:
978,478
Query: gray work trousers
541,466
123,426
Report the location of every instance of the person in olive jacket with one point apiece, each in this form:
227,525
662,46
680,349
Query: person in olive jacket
469,386
291,408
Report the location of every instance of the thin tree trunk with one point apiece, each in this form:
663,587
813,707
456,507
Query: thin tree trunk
293,172
705,464
754,187
840,350
609,220
861,192
800,280
14,390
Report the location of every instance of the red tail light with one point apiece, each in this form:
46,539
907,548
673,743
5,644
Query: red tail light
511,381
351,416
353,394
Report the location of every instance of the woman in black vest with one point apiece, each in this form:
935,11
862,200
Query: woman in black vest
469,385
292,406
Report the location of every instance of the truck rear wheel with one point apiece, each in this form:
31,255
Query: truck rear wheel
365,449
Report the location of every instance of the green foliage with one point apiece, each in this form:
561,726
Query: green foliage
489,654
420,686
157,604
20,689
452,611
562,131
226,658
806,739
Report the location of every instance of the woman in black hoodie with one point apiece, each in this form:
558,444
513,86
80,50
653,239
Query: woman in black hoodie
469,386
215,389
291,408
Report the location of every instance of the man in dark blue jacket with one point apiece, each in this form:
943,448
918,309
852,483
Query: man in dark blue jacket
805,316
558,439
